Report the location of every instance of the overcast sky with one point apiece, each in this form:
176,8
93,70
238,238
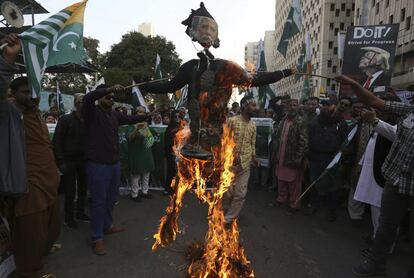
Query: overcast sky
239,22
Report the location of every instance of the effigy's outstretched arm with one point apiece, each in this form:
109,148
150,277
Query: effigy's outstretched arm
265,78
176,83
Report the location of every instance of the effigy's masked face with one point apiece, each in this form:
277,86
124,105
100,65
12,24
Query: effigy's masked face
205,31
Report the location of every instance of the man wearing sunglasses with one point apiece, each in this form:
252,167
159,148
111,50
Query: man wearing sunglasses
102,159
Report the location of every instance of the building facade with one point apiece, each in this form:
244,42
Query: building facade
322,19
147,29
373,12
270,50
250,56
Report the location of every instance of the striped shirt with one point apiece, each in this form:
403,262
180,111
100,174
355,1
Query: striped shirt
398,167
245,138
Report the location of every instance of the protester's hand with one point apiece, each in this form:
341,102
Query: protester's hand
368,116
12,49
116,89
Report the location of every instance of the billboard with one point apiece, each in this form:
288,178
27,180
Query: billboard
369,56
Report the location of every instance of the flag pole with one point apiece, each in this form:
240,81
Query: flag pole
147,82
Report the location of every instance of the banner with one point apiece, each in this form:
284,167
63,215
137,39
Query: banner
264,130
49,100
158,151
369,56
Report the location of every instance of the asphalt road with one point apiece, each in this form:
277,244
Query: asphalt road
279,245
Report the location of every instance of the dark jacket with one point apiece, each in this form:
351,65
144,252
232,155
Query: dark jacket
13,176
326,136
69,138
102,142
297,145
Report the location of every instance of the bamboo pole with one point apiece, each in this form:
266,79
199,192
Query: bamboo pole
147,82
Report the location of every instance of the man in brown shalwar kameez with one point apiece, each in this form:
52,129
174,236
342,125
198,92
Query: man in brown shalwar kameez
35,224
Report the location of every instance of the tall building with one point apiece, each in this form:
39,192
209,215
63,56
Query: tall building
322,19
147,29
250,55
372,12
270,50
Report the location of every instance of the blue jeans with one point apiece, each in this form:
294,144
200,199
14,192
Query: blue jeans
103,183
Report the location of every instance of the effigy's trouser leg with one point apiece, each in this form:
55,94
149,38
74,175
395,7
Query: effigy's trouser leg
194,113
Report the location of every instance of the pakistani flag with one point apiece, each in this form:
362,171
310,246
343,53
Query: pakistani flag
292,26
137,98
158,73
265,92
56,40
330,180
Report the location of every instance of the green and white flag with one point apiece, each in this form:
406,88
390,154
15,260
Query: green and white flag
330,180
182,100
54,41
265,93
158,73
292,26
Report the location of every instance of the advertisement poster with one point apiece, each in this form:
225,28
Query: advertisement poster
369,56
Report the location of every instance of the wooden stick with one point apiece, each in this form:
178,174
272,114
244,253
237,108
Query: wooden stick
306,191
315,75
147,82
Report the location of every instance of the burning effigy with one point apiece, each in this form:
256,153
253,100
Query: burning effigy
206,151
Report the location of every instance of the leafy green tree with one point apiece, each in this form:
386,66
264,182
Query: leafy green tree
133,58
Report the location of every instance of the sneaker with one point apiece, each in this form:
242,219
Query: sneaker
366,253
368,269
83,217
331,216
146,196
99,248
71,224
136,199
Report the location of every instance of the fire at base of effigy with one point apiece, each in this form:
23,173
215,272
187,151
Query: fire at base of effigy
221,255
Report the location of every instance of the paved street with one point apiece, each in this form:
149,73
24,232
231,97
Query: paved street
279,245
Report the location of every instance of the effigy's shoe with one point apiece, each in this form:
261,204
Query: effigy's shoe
196,152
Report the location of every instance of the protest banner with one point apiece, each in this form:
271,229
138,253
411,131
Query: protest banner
406,97
369,56
264,130
158,151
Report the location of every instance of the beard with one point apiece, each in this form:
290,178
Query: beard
326,113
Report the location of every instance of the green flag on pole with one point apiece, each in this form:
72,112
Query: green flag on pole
56,40
330,180
293,25
265,92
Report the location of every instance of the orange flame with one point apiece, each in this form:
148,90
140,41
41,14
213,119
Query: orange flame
223,255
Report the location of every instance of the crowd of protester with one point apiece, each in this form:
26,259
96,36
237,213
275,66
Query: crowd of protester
84,158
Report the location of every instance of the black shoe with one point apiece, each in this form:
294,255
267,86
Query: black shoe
146,196
368,269
71,224
331,215
136,199
367,253
83,217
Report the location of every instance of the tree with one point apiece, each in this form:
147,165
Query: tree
133,58
72,82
